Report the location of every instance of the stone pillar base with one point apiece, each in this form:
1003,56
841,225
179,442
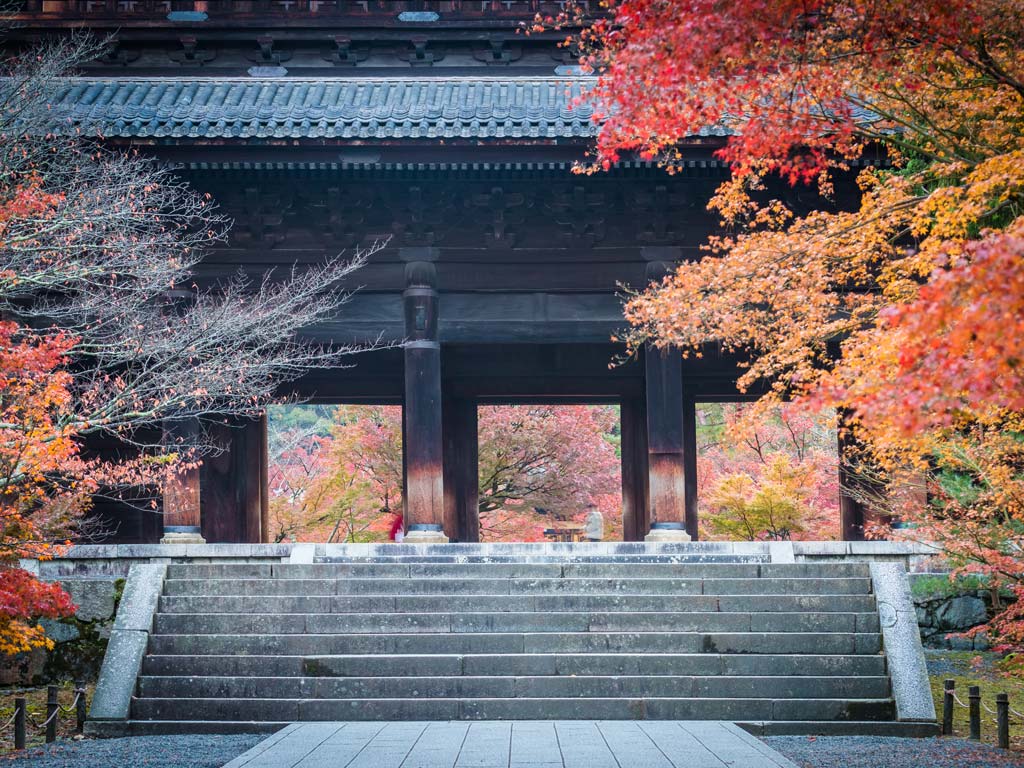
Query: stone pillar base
425,537
183,536
667,534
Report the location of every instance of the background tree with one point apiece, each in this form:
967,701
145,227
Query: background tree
104,331
553,459
766,474
906,309
538,464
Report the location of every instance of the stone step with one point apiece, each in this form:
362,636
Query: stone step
703,664
512,687
384,604
536,621
515,586
403,569
811,643
702,550
574,557
653,708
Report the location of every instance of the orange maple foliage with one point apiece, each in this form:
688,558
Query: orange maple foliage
41,487
904,310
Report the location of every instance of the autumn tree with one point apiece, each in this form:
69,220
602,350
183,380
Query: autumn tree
105,333
766,474
904,310
331,488
537,464
553,459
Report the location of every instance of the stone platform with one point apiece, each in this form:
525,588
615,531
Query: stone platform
522,744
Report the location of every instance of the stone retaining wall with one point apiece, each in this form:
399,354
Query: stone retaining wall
939,615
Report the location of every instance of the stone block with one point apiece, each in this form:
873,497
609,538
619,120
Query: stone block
778,642
302,553
389,666
222,666
820,549
219,709
121,666
58,631
519,622
381,709
832,709
961,613
902,640
90,551
371,623
782,552
521,664
668,622
803,622
791,586
140,598
94,598
709,709
814,570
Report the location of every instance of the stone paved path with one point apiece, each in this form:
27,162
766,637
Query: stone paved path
517,744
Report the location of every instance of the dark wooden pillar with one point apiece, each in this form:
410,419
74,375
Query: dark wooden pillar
633,427
663,371
422,444
181,494
461,480
666,474
232,498
851,511
690,464
264,481
252,446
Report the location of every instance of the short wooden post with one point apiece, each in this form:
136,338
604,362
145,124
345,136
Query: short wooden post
974,702
19,723
1003,720
51,713
947,707
80,707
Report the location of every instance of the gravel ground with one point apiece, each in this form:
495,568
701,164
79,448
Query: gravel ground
136,751
876,752
817,752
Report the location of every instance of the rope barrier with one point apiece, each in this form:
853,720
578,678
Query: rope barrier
9,722
22,717
46,722
956,698
70,707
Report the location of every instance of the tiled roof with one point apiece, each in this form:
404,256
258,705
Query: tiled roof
364,108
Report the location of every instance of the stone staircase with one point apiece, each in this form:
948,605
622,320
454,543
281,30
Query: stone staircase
253,646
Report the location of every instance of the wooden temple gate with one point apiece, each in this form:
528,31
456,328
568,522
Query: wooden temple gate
320,127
